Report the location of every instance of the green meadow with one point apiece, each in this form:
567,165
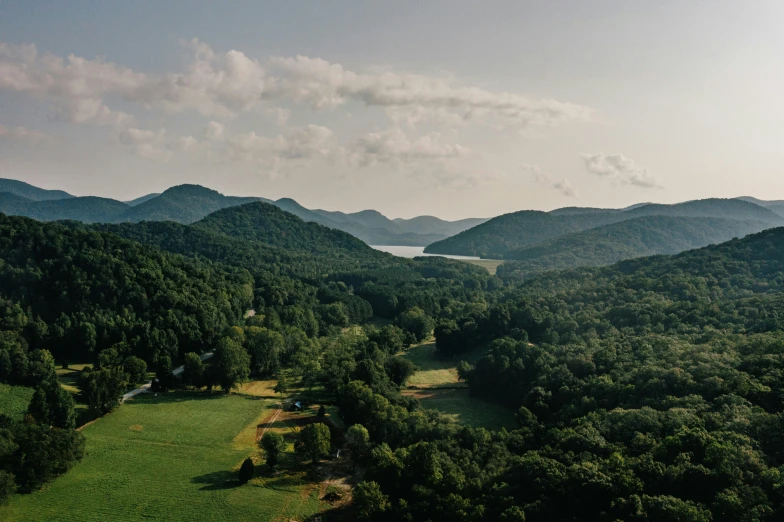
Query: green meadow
171,457
437,387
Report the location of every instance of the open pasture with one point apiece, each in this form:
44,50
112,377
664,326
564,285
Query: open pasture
171,457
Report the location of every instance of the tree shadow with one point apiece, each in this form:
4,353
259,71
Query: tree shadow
217,480
175,396
284,483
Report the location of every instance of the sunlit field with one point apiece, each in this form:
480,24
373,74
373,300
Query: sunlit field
171,457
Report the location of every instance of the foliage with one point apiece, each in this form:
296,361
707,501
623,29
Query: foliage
103,388
369,500
273,445
247,471
314,441
231,364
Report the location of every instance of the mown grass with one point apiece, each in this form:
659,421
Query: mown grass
435,371
437,387
173,456
14,400
464,409
490,264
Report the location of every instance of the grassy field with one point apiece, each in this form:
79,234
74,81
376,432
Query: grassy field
433,370
172,457
437,387
14,400
490,264
464,409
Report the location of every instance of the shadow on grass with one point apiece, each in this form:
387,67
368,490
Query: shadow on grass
175,396
217,480
285,483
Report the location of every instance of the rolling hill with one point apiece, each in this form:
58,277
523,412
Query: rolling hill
190,203
638,237
25,190
183,204
510,232
270,225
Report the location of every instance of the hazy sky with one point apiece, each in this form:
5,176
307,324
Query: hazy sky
450,108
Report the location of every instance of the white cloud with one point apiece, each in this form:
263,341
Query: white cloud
566,188
75,85
152,145
214,131
298,146
324,84
620,169
536,172
539,175
223,85
395,147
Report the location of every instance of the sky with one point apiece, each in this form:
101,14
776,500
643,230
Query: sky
448,108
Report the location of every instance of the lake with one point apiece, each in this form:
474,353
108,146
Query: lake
413,251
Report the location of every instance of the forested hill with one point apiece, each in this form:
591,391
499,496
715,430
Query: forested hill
268,224
190,203
734,269
638,237
27,191
183,204
76,292
503,234
253,255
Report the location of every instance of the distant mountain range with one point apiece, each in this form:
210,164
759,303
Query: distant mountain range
190,203
530,241
570,237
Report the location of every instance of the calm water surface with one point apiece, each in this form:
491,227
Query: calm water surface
413,251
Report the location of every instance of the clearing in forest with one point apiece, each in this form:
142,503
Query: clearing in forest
464,409
435,371
171,457
490,264
437,387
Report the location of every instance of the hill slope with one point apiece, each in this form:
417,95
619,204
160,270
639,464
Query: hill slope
270,225
20,188
183,204
142,199
88,281
509,232
190,203
639,237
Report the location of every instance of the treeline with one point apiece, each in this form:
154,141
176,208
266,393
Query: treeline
44,445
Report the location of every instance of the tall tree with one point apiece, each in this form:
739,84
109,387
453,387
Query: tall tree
232,364
315,441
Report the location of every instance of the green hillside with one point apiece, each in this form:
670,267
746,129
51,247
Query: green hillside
183,204
270,225
642,236
510,232
27,191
